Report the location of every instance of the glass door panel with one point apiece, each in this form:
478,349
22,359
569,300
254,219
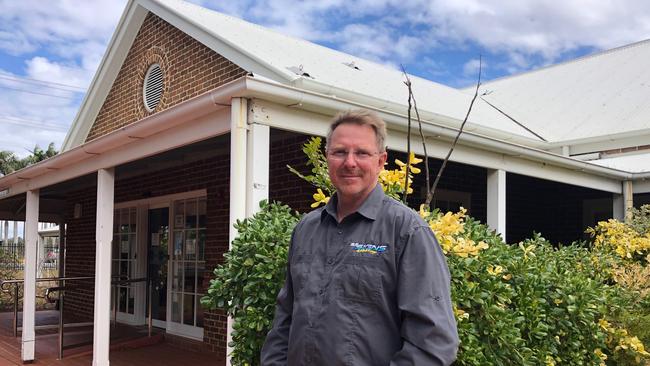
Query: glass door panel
188,261
124,258
158,249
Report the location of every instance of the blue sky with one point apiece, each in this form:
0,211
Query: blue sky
49,54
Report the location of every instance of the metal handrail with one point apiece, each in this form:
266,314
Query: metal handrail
117,281
48,279
17,281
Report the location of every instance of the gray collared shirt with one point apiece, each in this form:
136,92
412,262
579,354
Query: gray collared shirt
371,290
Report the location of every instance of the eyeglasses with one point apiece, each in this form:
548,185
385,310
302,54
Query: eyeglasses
342,154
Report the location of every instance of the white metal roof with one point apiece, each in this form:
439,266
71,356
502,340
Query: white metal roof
605,95
637,163
330,72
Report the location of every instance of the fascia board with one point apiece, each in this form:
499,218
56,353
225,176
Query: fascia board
428,117
603,143
109,67
233,52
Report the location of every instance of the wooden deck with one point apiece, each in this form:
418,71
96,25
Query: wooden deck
130,346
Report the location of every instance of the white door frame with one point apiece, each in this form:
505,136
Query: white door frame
143,206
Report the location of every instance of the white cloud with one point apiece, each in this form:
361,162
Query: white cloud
41,68
393,31
63,41
540,27
471,67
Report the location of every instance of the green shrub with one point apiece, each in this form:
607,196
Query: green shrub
639,219
526,304
246,285
6,273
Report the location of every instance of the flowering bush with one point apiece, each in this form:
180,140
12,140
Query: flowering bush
392,181
621,238
629,242
524,304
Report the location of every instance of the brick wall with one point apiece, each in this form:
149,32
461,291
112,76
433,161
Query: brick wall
189,69
284,186
80,253
288,188
211,174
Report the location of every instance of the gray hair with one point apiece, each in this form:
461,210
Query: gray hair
362,117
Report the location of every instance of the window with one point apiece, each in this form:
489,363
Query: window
124,256
188,261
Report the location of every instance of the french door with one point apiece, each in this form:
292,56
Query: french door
162,238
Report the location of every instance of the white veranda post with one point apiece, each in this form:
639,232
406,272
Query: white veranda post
103,238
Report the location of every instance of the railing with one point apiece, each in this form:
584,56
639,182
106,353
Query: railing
61,289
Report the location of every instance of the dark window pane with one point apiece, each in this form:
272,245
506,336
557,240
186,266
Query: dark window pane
202,213
190,214
201,245
122,307
176,307
199,312
190,244
188,309
190,277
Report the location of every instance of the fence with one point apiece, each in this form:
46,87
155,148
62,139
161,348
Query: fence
14,253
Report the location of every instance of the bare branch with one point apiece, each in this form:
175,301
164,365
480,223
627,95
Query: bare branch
408,141
453,145
417,115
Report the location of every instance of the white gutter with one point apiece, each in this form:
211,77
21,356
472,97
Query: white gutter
432,117
191,109
301,98
251,87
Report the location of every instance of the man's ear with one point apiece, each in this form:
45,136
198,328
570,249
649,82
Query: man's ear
382,159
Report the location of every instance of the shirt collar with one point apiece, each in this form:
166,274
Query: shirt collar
369,208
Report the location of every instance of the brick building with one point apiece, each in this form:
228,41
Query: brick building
193,117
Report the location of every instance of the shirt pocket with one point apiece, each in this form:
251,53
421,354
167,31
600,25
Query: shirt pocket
360,280
300,269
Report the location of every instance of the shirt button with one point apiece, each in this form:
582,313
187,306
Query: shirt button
340,232
320,292
330,260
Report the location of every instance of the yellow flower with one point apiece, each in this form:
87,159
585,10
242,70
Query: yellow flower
550,361
465,247
600,354
528,251
558,301
495,270
460,314
319,197
412,160
604,324
507,277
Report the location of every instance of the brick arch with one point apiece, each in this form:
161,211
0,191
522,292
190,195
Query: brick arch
154,55
190,69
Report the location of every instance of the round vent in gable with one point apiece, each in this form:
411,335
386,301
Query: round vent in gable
153,87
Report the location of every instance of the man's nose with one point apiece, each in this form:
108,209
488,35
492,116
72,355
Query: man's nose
350,159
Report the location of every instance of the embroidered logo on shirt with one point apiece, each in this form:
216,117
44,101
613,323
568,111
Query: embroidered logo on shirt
368,248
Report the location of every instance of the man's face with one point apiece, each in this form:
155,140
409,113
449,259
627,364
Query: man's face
354,160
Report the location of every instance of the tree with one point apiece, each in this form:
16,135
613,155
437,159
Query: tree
10,163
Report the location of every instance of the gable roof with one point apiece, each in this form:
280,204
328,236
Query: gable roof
294,62
602,96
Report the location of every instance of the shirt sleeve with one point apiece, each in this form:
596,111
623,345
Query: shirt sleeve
428,327
276,345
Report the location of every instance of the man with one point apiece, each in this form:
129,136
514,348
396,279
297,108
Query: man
367,283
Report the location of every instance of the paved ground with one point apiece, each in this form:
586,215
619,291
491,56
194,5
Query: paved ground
130,346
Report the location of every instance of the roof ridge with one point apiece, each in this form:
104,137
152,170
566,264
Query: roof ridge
298,39
563,63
